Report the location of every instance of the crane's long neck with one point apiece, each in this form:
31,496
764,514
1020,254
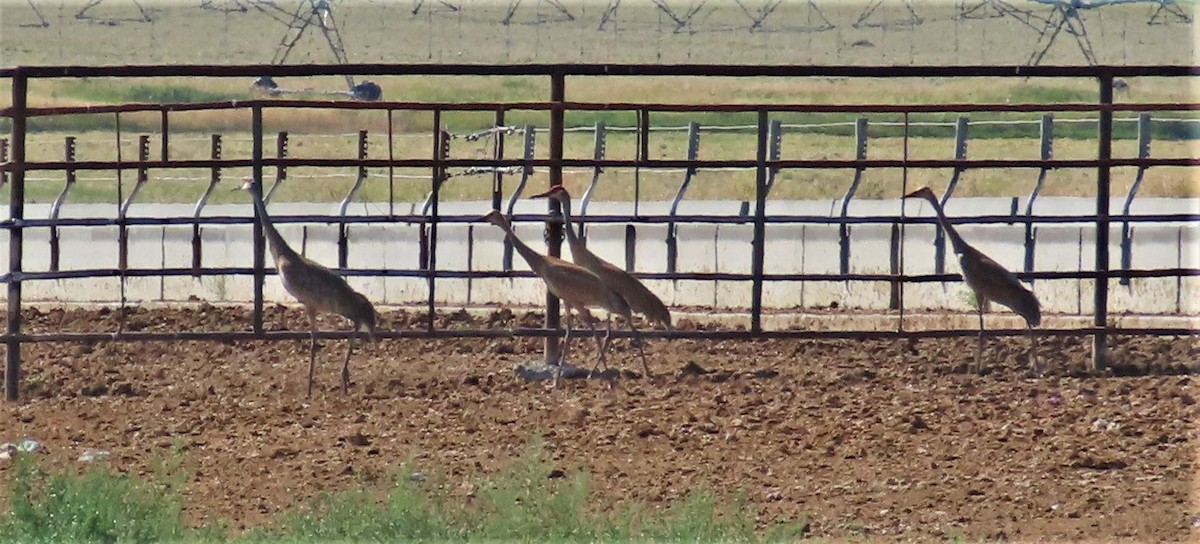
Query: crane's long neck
537,261
960,246
575,240
275,243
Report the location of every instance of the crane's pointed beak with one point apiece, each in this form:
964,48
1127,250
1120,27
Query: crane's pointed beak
541,195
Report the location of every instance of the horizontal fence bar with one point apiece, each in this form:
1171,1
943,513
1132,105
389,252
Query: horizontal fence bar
594,69
292,162
597,219
500,274
660,107
542,333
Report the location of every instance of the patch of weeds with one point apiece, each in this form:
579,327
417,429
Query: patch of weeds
529,501
95,505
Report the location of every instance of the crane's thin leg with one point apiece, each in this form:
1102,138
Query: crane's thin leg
602,347
591,323
637,339
346,365
607,341
1033,355
562,358
979,344
312,346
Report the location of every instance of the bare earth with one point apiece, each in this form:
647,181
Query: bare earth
864,439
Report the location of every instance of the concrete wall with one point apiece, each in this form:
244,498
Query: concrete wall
790,248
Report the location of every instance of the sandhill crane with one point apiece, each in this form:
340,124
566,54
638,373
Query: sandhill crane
989,280
640,299
578,288
318,288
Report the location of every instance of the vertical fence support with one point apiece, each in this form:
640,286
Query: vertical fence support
213,179
1126,229
16,213
643,156
260,261
1103,179
860,153
343,229
3,159
56,207
441,151
960,154
1047,154
281,151
554,232
165,137
760,221
693,153
498,154
894,269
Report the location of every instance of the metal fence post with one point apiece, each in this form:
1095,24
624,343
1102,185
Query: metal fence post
760,222
441,152
260,261
16,212
1103,179
554,232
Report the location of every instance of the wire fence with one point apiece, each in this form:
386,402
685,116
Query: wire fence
440,166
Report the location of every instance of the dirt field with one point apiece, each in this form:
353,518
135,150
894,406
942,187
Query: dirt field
864,439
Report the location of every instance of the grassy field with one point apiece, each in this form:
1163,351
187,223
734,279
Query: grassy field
539,32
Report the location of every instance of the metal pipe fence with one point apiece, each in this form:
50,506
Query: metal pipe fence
766,163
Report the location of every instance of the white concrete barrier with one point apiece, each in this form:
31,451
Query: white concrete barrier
705,248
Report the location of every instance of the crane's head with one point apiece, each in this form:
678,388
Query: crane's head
558,192
362,313
496,218
923,192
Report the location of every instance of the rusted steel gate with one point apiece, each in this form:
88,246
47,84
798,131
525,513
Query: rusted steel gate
15,167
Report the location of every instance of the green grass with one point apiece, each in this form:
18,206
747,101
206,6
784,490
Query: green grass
529,501
95,505
116,91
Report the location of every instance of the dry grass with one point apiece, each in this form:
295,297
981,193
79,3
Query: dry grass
386,31
411,185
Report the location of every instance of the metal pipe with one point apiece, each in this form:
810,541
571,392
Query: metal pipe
1103,188
281,151
526,171
343,235
56,207
860,154
762,186
260,259
554,232
213,179
1047,154
960,153
1126,231
16,237
599,146
441,149
693,152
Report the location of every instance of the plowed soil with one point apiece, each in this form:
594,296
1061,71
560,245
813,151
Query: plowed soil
865,439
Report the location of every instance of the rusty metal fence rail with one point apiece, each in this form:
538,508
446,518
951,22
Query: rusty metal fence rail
15,165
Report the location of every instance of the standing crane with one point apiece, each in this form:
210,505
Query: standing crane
578,288
318,288
640,298
989,281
